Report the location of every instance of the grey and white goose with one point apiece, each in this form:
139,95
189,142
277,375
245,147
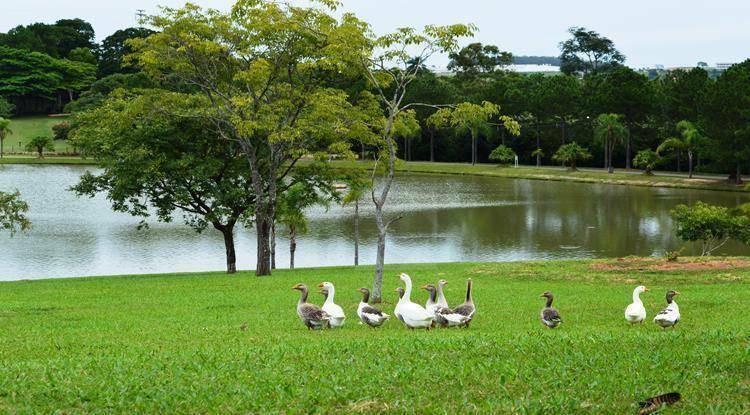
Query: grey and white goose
467,309
369,314
400,291
444,316
669,316
549,316
310,314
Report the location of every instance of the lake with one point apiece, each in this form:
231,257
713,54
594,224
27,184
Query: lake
445,218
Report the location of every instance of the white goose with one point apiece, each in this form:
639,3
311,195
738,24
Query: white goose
413,315
670,315
636,312
331,308
443,316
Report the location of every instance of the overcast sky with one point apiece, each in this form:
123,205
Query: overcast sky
648,32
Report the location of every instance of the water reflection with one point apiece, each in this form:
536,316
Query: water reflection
446,218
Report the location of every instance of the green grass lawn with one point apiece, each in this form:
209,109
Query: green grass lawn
26,128
174,344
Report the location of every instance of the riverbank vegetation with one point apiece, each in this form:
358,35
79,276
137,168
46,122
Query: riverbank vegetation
188,343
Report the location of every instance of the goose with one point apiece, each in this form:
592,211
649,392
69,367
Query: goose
443,316
550,316
467,308
670,316
400,292
636,312
333,309
440,296
411,314
310,314
369,314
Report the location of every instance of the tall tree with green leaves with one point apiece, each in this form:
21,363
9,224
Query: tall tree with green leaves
610,131
153,163
588,52
390,69
263,69
292,205
4,132
477,59
6,108
357,186
690,141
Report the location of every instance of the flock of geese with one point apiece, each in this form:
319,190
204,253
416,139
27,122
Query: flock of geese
436,311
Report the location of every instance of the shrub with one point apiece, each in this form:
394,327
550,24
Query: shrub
503,155
646,160
570,154
39,144
710,225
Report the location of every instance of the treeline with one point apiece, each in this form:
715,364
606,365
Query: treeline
43,67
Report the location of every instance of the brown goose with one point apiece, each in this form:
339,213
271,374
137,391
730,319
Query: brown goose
467,308
310,314
369,314
550,316
443,316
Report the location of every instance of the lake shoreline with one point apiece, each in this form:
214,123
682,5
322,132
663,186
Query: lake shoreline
546,173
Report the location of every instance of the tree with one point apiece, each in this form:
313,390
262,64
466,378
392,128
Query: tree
570,154
98,91
40,144
390,70
691,139
646,160
6,108
725,117
503,155
115,48
56,40
4,132
609,130
82,55
475,59
622,91
150,158
61,131
13,213
263,70
588,52
291,212
73,34
710,225
357,186
473,118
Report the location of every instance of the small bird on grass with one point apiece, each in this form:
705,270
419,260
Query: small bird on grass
549,316
656,403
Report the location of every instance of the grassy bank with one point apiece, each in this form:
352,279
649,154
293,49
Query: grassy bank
26,128
48,159
559,174
175,344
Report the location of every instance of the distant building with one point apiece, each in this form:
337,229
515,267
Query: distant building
531,68
723,66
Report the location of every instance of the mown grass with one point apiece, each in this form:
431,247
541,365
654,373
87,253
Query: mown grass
26,128
556,174
174,344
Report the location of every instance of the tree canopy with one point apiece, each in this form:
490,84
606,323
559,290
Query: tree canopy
588,52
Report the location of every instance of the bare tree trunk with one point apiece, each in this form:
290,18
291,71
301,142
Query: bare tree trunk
273,244
563,132
538,146
356,232
610,148
627,153
606,154
228,232
292,245
2,142
473,148
690,164
738,175
678,154
263,230
362,152
432,145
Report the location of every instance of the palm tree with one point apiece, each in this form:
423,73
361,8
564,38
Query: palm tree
690,140
4,132
610,130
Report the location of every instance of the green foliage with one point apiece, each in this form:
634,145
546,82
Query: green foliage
40,144
62,130
503,154
609,130
672,256
646,160
6,108
4,132
13,213
57,40
538,152
82,55
98,91
475,58
115,48
570,154
710,225
588,52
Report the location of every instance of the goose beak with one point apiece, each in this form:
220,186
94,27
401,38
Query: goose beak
424,287
542,295
645,289
676,293
320,285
